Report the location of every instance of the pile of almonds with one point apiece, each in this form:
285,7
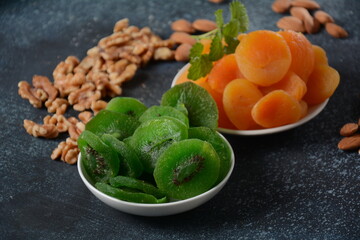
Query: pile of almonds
351,140
85,84
182,35
306,18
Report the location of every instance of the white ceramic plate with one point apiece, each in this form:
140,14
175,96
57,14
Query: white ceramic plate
313,111
162,209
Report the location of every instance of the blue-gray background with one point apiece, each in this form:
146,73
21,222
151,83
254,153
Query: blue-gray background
291,185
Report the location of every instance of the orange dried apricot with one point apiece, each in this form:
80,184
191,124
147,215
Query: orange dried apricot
276,109
263,56
320,55
304,108
239,97
322,83
206,42
291,84
224,71
302,53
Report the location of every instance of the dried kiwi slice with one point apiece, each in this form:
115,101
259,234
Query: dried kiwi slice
99,160
130,196
108,122
127,105
152,137
218,143
130,164
159,111
202,109
139,185
187,168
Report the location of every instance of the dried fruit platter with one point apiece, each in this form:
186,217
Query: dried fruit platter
295,184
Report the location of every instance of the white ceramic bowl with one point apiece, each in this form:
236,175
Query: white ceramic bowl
313,111
161,209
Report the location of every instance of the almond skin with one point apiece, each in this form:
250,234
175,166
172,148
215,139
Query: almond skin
204,25
304,15
182,25
182,52
323,17
349,129
281,6
182,37
349,143
336,31
216,1
308,4
291,23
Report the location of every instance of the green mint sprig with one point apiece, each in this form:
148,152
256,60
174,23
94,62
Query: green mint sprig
201,64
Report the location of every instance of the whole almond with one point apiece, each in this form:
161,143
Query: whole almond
182,52
349,143
281,6
182,25
182,37
336,31
216,1
308,4
291,23
304,15
349,129
204,25
323,17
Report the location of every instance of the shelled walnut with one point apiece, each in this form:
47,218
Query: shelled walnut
84,84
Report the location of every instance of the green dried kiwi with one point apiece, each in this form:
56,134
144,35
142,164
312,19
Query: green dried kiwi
108,122
187,168
159,111
152,137
202,109
139,185
218,143
128,195
99,160
127,105
181,107
130,164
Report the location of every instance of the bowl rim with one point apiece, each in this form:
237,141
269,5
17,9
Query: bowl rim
215,188
313,111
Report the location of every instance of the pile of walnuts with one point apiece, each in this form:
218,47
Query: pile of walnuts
83,84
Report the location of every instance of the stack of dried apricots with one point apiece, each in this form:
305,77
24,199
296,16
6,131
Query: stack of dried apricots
270,80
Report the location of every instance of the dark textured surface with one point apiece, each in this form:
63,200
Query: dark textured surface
291,185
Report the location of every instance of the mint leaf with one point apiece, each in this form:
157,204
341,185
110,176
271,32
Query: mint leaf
201,64
238,12
196,50
219,19
232,43
199,67
232,28
216,49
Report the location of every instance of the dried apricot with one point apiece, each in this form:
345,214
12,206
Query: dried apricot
322,83
320,55
240,96
276,109
224,71
263,56
302,53
206,42
304,108
291,84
